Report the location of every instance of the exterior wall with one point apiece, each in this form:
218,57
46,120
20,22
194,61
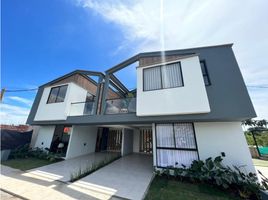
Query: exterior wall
44,137
81,81
179,100
216,137
127,142
34,136
82,141
59,111
136,141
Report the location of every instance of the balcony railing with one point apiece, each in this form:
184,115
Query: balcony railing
82,108
118,106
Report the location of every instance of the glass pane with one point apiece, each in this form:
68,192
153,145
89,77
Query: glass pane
164,135
62,93
184,135
152,78
88,109
171,75
175,158
53,95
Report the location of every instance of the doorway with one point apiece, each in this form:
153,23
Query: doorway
60,140
146,141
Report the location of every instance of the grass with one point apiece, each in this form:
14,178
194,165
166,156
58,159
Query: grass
162,189
259,162
26,163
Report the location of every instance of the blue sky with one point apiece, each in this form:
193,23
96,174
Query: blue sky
42,39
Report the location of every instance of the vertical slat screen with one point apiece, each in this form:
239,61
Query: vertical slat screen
146,144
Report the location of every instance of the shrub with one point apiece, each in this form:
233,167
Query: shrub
213,172
25,152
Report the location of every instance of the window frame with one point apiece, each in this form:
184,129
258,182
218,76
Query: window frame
206,74
161,76
57,94
175,148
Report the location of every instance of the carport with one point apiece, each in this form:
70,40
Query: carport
128,177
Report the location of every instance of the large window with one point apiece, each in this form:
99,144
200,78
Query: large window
161,77
205,72
57,94
175,145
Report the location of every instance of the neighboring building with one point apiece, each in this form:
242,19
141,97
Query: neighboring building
188,104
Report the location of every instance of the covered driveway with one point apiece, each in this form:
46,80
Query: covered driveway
128,177
61,171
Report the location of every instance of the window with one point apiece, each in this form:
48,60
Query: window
57,94
161,77
205,72
175,145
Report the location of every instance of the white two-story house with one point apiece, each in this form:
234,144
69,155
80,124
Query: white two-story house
188,104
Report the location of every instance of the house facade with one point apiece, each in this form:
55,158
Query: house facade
187,105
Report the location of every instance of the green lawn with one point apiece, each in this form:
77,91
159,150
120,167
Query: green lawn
163,189
26,163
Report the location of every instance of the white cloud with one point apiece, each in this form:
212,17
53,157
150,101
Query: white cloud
21,100
10,114
188,24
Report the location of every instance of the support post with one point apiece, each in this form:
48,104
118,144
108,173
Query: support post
256,143
104,93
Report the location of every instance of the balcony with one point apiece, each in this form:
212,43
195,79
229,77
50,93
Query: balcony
82,108
120,106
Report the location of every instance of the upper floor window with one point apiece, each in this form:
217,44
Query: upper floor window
205,72
57,94
161,77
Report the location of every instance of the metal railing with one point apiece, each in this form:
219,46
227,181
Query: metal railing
82,108
119,106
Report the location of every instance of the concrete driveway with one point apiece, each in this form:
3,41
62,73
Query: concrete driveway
128,177
61,171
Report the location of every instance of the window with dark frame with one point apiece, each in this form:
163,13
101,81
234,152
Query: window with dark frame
162,77
205,72
57,94
175,144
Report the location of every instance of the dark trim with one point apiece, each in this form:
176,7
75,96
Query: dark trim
182,149
57,94
82,72
196,141
175,148
119,83
161,77
122,64
206,72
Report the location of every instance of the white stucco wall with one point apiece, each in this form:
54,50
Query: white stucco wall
180,100
59,111
82,141
216,137
127,142
44,136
